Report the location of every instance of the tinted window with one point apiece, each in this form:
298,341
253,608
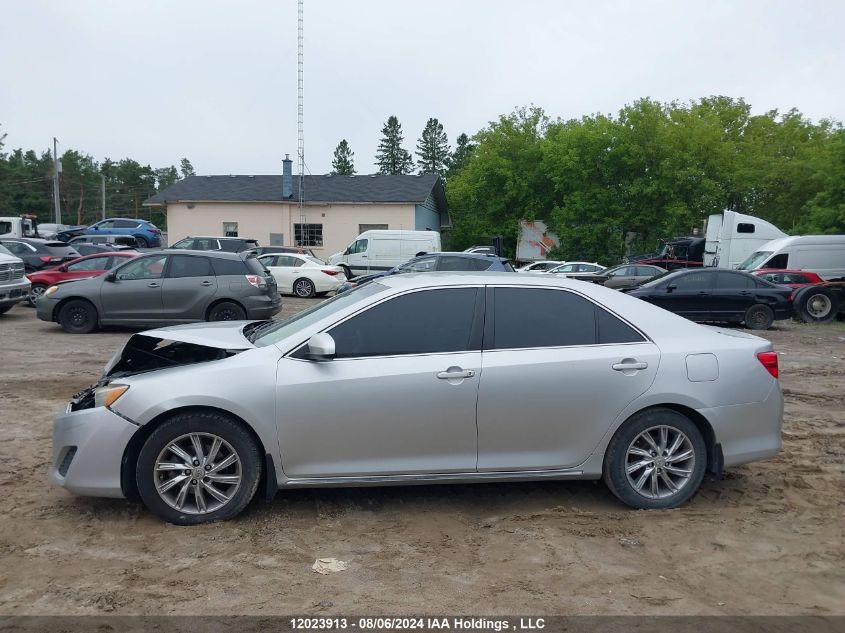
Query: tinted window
647,271
188,266
744,227
611,329
228,267
205,244
254,266
419,265
108,224
733,281
95,263
536,317
231,246
693,281
18,248
426,322
143,268
450,262
125,224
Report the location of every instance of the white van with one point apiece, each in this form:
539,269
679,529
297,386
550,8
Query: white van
822,254
379,250
731,237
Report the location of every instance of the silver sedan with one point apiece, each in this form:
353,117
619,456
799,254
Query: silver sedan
432,378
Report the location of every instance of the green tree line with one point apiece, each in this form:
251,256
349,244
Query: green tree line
610,185
26,185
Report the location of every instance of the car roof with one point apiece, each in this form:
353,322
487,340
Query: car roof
218,237
760,271
216,254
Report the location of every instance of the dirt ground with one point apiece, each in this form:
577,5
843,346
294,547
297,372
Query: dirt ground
768,539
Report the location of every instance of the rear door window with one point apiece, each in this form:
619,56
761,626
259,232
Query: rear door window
539,317
693,281
223,267
94,263
189,266
733,281
143,268
125,224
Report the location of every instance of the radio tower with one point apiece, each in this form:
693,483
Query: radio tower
300,130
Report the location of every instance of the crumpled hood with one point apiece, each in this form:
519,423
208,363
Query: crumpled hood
218,334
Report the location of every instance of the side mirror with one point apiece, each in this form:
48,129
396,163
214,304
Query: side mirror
63,269
321,347
111,277
670,287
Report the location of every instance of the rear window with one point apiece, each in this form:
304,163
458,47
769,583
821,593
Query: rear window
60,249
254,266
223,267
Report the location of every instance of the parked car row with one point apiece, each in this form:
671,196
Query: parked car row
145,233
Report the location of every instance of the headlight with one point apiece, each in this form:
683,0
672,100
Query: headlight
108,395
51,290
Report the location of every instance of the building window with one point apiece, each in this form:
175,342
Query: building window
230,229
277,239
371,227
308,234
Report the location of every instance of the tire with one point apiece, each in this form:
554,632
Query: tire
35,293
78,316
759,317
226,311
816,304
346,271
304,288
185,502
5,309
143,242
626,448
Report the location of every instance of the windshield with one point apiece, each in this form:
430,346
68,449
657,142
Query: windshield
5,251
274,331
754,260
185,243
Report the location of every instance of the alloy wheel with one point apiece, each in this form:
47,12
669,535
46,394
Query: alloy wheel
197,473
303,288
660,462
35,293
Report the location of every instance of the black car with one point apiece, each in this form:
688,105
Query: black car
438,262
713,294
227,244
37,254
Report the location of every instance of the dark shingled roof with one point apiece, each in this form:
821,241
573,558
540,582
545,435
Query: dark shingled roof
364,188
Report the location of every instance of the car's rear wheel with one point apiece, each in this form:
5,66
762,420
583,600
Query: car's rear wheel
304,288
759,317
142,241
198,467
35,293
816,304
657,459
226,311
78,316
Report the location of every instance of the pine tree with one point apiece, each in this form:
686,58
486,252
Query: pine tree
391,157
460,157
186,168
342,164
433,148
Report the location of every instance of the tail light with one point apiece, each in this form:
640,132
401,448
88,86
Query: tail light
46,259
791,297
331,272
256,280
769,360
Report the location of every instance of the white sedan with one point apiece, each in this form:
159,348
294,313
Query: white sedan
539,267
303,275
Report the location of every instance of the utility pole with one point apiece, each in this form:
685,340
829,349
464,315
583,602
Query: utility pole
103,193
300,129
56,169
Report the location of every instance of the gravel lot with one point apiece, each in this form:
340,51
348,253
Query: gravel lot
768,539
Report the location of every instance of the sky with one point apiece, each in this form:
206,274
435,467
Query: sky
216,81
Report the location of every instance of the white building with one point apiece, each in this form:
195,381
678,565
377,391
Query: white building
336,209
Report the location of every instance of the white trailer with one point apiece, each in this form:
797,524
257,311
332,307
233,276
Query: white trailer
731,237
18,226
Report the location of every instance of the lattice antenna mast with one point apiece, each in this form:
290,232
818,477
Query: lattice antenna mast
300,128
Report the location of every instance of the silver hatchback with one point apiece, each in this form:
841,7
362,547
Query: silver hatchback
436,378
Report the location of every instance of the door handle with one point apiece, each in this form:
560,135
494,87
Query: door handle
153,285
206,283
629,365
453,375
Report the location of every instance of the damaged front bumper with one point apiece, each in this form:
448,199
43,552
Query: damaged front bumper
88,448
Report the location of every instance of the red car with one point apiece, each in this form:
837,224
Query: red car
792,278
81,268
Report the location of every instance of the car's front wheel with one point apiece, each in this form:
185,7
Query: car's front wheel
657,459
198,467
78,316
35,293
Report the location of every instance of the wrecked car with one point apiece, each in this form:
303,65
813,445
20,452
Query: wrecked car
434,378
